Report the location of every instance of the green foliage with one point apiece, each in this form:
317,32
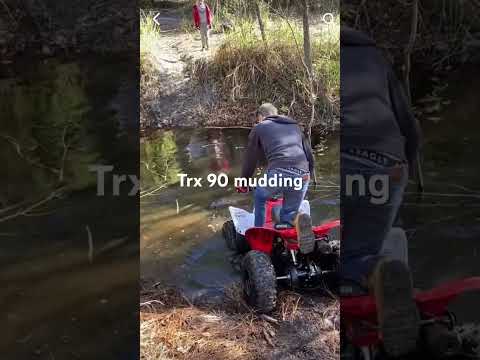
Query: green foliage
238,8
326,58
159,165
46,142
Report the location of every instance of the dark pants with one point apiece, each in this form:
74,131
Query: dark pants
371,196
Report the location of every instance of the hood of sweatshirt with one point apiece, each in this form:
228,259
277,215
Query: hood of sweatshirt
351,37
281,119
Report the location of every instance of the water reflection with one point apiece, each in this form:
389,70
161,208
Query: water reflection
46,140
159,164
444,224
57,119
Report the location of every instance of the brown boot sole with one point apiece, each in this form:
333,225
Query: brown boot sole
400,325
305,235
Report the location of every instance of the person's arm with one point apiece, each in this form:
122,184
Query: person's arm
252,154
406,120
196,19
311,160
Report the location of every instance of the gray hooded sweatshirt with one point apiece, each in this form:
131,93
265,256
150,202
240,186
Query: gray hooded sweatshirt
279,140
375,113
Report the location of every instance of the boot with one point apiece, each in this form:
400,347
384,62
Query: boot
397,313
305,235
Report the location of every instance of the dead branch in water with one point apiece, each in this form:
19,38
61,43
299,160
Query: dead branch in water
115,243
26,211
151,192
12,207
20,153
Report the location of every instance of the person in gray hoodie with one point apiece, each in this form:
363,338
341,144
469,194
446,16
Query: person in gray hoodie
280,141
380,140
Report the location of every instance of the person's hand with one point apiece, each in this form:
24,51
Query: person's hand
241,189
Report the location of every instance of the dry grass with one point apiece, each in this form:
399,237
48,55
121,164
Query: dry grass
149,38
149,33
173,328
248,71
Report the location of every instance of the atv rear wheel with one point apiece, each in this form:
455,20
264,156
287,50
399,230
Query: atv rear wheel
259,281
235,241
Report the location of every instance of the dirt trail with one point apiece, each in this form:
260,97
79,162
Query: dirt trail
178,101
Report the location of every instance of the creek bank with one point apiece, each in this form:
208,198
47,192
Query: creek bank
181,86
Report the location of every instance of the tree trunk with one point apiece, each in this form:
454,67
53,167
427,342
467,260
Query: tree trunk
406,79
409,49
260,21
307,46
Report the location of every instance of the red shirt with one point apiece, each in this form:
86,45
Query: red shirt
196,16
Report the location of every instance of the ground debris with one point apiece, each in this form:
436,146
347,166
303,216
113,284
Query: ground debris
172,328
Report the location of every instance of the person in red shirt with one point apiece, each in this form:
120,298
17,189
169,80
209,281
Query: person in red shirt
203,18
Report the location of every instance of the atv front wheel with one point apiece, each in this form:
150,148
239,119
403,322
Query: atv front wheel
235,241
259,281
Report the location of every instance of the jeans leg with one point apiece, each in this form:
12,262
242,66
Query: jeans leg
395,245
292,199
202,36
365,225
262,194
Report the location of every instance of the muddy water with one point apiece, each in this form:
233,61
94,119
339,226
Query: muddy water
181,239
444,224
55,302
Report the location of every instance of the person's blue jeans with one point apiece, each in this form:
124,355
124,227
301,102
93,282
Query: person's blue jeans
292,198
368,216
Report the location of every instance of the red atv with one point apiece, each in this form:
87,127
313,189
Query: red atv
273,256
439,338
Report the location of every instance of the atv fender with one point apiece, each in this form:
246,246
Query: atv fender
261,238
361,310
433,302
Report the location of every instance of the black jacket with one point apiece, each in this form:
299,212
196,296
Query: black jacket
375,113
279,140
